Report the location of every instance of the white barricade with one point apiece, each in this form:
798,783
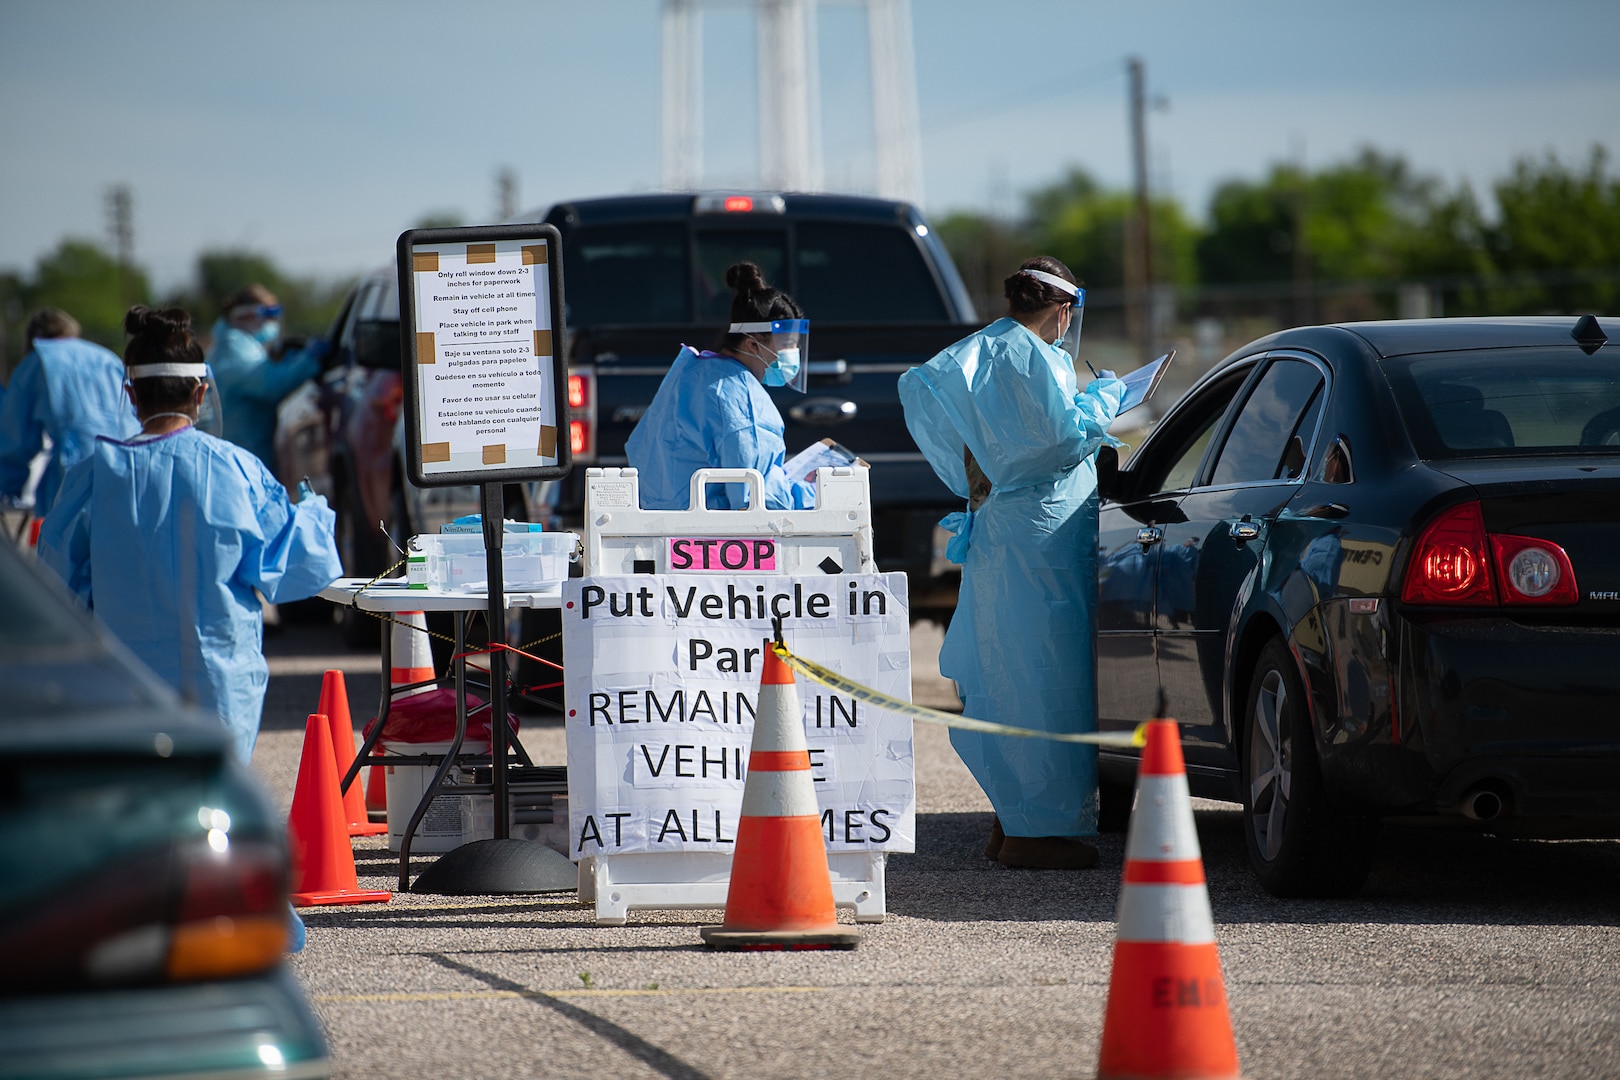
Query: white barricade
621,539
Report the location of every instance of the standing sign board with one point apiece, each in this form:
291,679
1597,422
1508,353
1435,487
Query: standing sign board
661,689
485,374
486,384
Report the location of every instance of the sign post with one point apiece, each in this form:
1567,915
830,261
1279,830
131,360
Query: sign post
486,378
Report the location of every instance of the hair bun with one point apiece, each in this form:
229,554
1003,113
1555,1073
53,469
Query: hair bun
744,278
171,325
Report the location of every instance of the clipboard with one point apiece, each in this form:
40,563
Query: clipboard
1141,383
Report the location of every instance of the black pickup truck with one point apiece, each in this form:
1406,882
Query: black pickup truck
644,274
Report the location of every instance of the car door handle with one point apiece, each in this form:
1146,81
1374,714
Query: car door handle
1243,531
1149,535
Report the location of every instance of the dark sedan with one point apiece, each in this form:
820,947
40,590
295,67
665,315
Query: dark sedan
143,872
1374,570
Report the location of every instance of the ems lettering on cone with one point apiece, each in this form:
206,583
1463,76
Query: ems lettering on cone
166,535
712,411
1004,423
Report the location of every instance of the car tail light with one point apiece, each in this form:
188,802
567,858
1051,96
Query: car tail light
233,910
579,437
1451,564
1455,562
579,392
1533,571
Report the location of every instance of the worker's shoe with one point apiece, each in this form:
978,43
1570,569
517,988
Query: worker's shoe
1046,853
993,848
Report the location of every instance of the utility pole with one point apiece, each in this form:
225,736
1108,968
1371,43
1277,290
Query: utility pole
894,100
506,193
121,223
1139,246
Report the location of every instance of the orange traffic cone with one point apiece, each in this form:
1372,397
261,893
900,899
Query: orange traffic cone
335,707
780,895
323,863
1167,1015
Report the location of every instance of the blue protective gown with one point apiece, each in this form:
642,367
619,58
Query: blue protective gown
71,390
710,412
252,386
166,539
1021,644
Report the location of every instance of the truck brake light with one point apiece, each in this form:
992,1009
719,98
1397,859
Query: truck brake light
579,392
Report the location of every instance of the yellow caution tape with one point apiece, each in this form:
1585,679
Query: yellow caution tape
828,677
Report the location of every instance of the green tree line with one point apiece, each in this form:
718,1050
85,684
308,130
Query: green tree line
82,278
1341,237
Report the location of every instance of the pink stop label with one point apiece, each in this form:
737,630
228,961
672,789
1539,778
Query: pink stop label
721,554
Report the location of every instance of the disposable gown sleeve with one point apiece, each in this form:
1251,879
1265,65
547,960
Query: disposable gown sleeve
292,554
272,380
22,428
743,442
64,535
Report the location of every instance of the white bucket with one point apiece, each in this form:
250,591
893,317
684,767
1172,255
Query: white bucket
441,828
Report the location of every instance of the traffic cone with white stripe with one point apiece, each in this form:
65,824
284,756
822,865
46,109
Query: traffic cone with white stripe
780,896
411,662
412,653
1167,1015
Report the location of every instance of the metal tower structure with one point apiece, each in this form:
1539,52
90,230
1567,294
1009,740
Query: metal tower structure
790,96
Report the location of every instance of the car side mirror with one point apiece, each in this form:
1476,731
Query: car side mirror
1108,478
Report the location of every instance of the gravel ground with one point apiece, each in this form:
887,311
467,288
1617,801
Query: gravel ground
1463,957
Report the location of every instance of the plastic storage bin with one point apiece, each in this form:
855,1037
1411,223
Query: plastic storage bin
456,562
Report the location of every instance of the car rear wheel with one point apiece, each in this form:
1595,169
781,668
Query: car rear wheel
1299,844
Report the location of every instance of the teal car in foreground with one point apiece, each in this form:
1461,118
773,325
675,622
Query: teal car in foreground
143,871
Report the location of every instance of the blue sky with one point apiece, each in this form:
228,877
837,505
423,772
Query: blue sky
315,132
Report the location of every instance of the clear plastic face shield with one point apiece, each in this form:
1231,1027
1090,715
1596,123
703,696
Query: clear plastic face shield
210,417
784,346
1069,340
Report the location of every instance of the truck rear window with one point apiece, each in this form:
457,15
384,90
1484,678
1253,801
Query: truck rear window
618,274
846,272
865,274
1509,402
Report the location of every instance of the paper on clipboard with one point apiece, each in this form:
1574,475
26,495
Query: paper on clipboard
1140,384
819,455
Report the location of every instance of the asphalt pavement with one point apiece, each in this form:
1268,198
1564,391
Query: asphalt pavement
1464,956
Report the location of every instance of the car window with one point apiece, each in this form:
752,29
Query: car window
627,274
1258,446
1509,401
1170,461
719,248
862,273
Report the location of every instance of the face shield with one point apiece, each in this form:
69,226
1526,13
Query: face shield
210,417
1070,341
788,344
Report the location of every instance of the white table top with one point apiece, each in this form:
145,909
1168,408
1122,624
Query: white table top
393,594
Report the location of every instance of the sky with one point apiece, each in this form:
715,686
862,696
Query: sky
314,132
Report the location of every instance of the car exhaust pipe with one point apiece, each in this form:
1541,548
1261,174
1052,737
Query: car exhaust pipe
1482,804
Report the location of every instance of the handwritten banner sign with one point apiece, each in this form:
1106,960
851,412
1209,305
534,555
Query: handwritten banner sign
662,688
721,554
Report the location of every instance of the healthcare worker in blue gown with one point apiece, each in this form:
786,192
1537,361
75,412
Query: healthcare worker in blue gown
712,411
1002,420
252,384
65,388
166,535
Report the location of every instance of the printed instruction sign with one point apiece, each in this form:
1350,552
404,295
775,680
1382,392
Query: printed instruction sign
485,385
662,688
